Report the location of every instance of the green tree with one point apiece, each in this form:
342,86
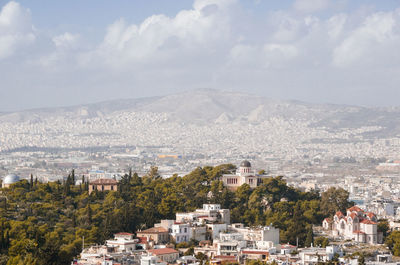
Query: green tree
333,200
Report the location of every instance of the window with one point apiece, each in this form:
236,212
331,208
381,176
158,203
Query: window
93,187
185,230
102,187
112,187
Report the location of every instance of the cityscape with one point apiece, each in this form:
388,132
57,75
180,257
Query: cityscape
200,132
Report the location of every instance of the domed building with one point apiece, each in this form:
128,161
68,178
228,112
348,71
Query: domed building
245,175
9,180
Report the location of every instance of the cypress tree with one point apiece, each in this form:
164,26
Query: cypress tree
31,182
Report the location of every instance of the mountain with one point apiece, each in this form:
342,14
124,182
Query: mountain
207,105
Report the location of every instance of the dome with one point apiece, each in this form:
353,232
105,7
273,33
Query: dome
245,163
10,179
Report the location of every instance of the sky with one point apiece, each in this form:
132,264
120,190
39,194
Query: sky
59,53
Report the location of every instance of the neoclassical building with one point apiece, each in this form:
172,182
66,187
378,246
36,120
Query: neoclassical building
244,175
357,225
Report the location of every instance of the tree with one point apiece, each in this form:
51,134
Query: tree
361,259
333,200
309,238
393,242
383,227
321,241
31,182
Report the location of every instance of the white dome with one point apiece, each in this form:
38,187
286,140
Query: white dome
10,179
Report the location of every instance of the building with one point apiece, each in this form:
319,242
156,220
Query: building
151,260
103,185
357,225
9,180
209,213
263,237
245,175
123,242
156,234
168,255
230,244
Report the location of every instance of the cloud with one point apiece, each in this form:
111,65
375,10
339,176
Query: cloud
16,29
66,40
288,53
160,38
373,42
310,6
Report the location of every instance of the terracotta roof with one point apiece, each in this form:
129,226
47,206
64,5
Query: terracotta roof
260,252
104,182
154,230
370,215
123,234
328,220
355,208
162,251
142,239
225,257
368,222
358,232
353,215
339,214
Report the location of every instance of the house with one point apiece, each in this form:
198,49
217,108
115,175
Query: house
357,225
123,242
245,175
263,237
103,185
151,260
230,244
156,234
255,254
168,255
209,213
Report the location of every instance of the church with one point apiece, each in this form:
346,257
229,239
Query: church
244,175
357,225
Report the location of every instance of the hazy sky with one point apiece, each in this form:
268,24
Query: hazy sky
56,53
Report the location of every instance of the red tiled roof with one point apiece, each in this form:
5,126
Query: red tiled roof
368,222
355,208
353,215
123,234
358,232
370,215
225,257
142,239
104,182
328,220
153,230
339,214
162,251
260,252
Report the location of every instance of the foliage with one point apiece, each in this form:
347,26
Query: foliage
393,242
333,200
321,241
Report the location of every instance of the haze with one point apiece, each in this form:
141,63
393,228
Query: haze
55,53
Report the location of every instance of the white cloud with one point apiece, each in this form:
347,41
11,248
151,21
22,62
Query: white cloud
66,40
372,42
213,44
310,6
16,29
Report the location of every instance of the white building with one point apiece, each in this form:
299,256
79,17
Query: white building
209,213
245,175
123,242
356,225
